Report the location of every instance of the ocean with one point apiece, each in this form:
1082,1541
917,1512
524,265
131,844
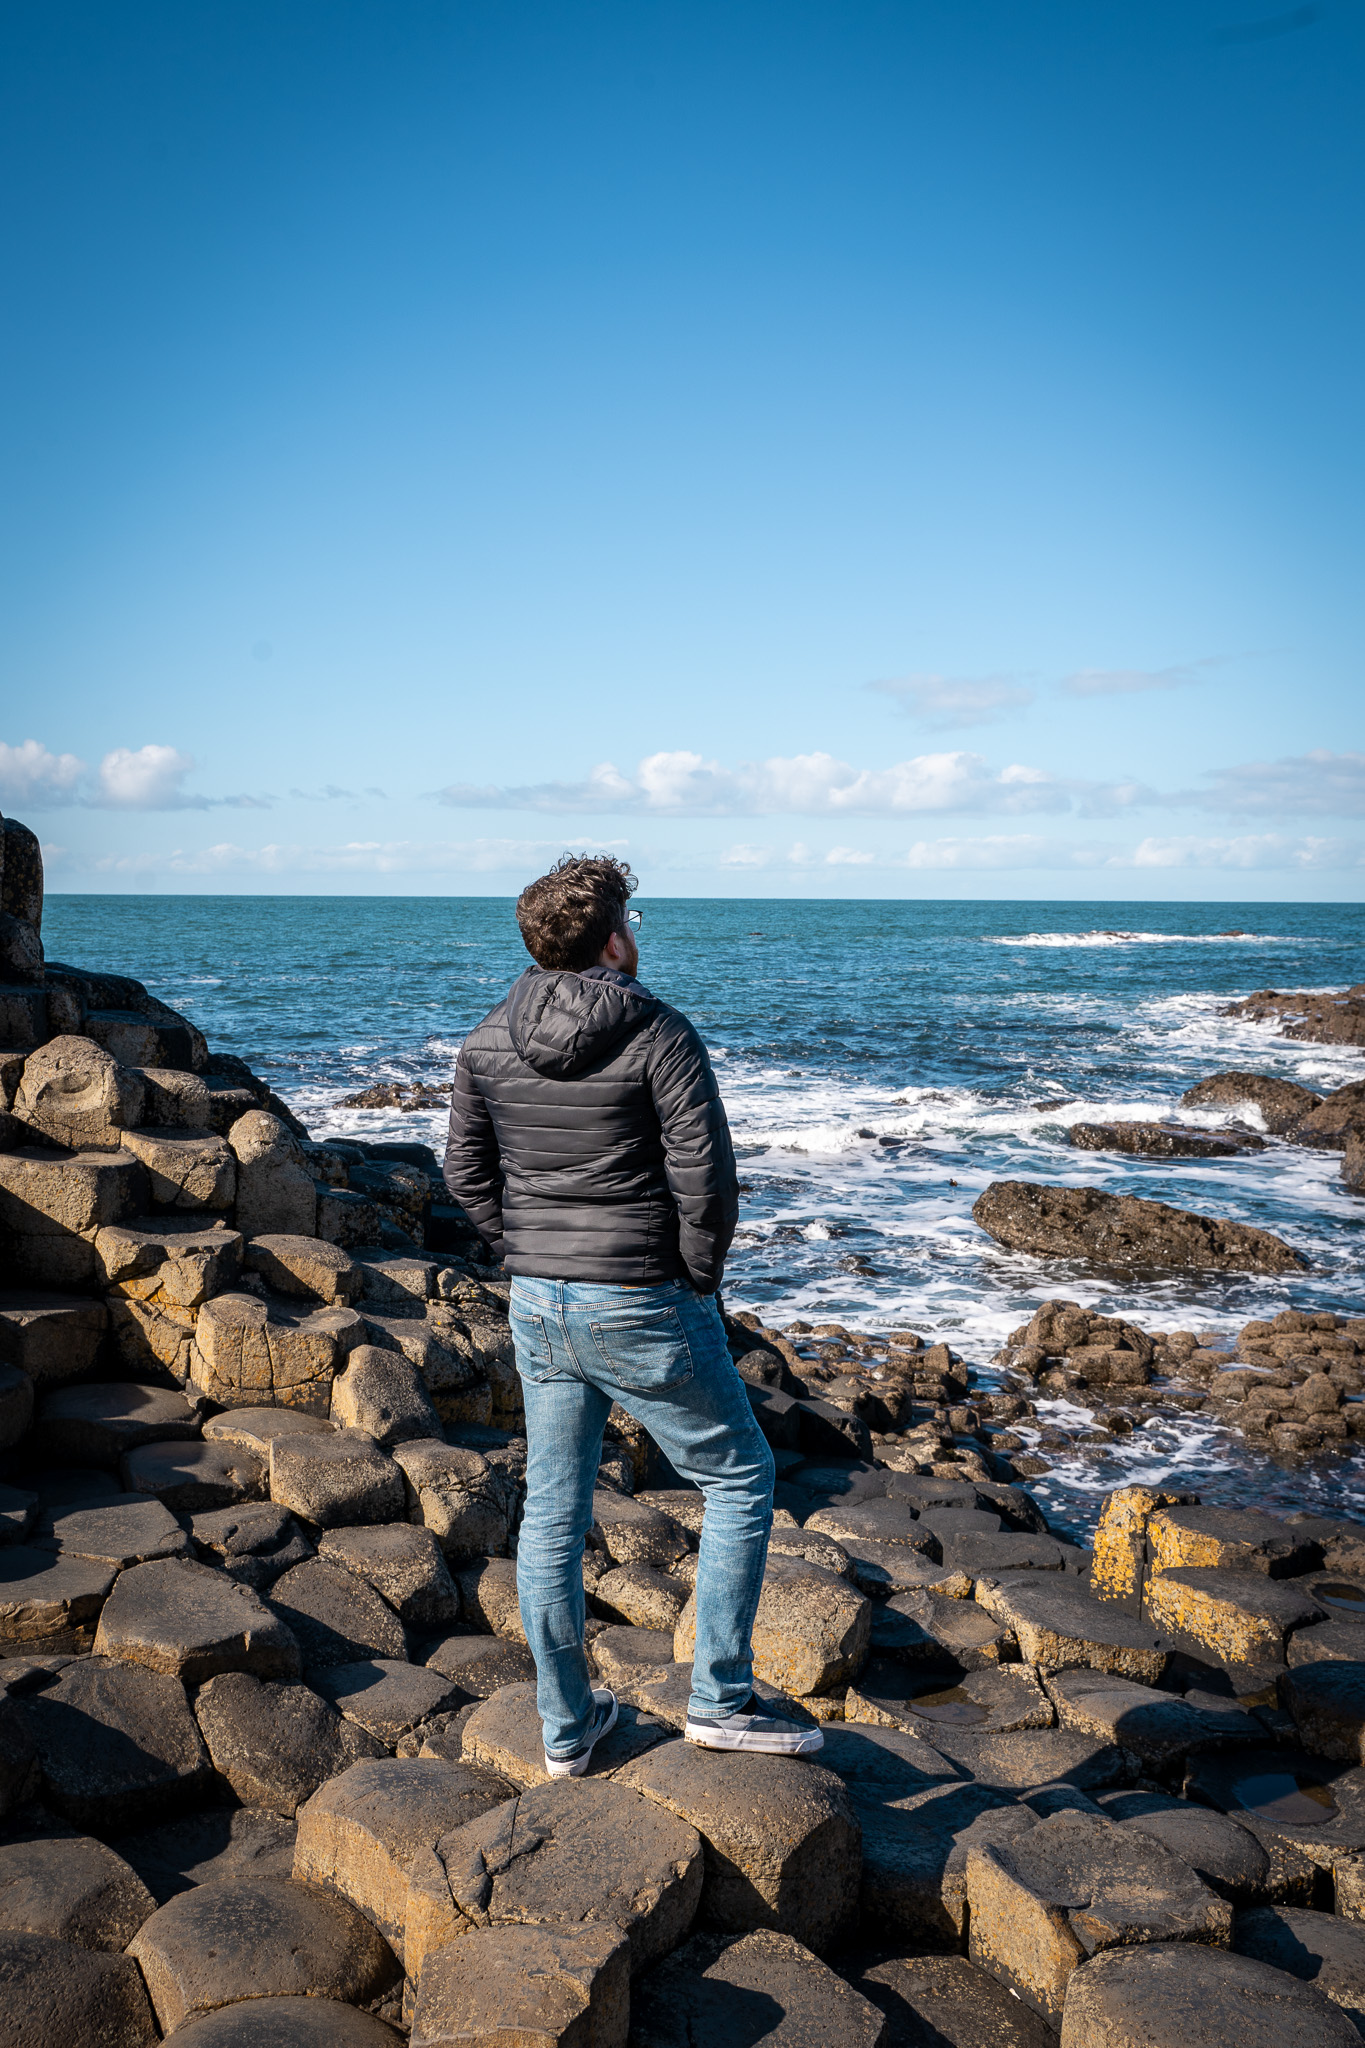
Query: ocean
880,1063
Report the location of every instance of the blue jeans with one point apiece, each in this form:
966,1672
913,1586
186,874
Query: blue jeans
660,1352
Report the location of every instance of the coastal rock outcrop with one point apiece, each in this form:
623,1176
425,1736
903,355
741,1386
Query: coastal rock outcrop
1282,1103
1326,1017
1163,1141
1124,1230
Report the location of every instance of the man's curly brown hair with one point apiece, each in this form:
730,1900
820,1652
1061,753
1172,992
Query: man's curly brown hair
567,916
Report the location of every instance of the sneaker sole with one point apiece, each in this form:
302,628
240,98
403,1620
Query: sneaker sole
805,1744
574,1767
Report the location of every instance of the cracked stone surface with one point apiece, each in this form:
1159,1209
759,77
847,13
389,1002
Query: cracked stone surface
193,1622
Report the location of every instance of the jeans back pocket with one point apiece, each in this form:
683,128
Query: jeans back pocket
531,1341
643,1348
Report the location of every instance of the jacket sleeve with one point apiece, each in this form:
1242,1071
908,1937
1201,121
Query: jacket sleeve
473,1165
699,1159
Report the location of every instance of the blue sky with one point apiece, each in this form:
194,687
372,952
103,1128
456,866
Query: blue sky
823,449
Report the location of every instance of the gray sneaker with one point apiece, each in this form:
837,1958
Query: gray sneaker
604,1700
757,1726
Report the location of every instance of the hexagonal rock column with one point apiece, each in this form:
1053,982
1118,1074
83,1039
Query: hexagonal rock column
556,1986
402,1563
811,1630
270,1938
1120,1554
305,1266
275,1191
1058,1626
632,1533
288,2023
185,1169
359,1832
177,1260
1158,1728
53,1203
341,1477
783,1846
126,1531
1240,1618
72,1888
488,1593
56,1994
1327,1701
192,1622
48,1602
193,1478
383,1393
1227,1856
117,1746
641,1597
467,1504
50,1337
1173,1995
254,1543
386,1697
504,1734
1073,1885
951,2001
75,1093
273,1352
564,1854
95,1425
1322,1949
1228,1540
717,1986
335,1616
274,1745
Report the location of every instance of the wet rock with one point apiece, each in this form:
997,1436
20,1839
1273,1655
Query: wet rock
640,1596
254,1543
275,1191
49,1337
1163,1141
1227,1856
1240,1618
480,1664
185,1169
557,1986
1071,1886
274,1745
632,1533
191,1622
1331,1124
1282,1103
359,1833
71,1888
1327,1700
810,1632
1228,1539
1323,1016
257,1938
193,1478
387,1698
1159,1729
95,1425
116,1746
488,1596
946,2002
336,1616
1305,1811
48,1601
76,1094
467,1503
504,1734
1058,1626
272,1351
333,1479
287,2023
382,1393
1125,1231
1353,1161
724,1989
307,1267
561,1855
204,1848
782,1841
404,1564
56,1994
1173,1994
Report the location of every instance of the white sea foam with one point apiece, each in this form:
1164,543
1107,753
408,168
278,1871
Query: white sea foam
1103,938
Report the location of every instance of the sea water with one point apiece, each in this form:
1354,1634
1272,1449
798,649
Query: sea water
881,1063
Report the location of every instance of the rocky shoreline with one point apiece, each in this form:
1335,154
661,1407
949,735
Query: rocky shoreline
270,1767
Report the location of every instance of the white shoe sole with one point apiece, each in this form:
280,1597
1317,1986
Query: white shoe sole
714,1735
575,1766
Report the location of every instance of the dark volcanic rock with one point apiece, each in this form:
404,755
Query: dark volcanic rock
723,1989
56,1995
1282,1103
1330,1125
1325,1017
1124,1230
117,1745
1182,1994
1163,1141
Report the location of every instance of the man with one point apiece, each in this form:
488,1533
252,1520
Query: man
589,1146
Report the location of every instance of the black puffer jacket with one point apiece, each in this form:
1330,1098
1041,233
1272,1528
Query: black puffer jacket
588,1140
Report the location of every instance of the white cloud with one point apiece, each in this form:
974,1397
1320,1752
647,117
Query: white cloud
358,857
1252,850
1317,784
683,784
848,857
147,779
948,701
1122,682
30,774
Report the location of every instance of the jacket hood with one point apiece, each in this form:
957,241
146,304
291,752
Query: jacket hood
561,1023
